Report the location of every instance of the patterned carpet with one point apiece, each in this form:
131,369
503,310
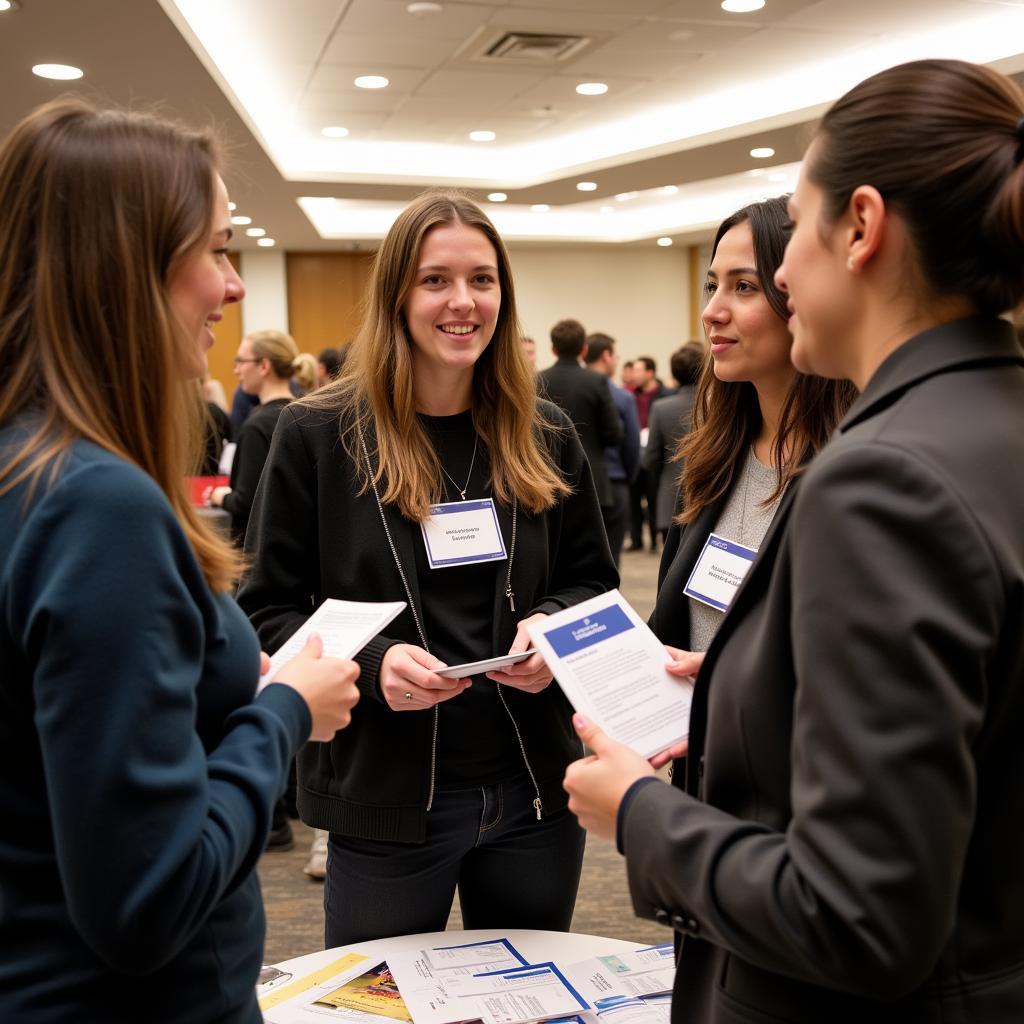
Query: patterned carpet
294,902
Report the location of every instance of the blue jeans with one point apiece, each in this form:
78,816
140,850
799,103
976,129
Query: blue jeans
511,870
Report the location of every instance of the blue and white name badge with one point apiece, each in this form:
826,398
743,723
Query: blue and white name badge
463,532
719,571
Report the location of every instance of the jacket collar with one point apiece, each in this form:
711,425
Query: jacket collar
960,343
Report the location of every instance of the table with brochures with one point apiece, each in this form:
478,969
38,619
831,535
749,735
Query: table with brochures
496,976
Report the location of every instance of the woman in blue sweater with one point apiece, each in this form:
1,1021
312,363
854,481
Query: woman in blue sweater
137,766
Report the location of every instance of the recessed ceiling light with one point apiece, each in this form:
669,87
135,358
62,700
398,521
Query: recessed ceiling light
240,220
266,242
586,186
423,9
255,232
669,190
591,88
482,136
334,131
742,6
8,5
497,197
624,197
371,82
540,207
232,206
60,72
762,152
664,242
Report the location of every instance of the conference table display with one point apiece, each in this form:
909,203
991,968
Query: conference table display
514,977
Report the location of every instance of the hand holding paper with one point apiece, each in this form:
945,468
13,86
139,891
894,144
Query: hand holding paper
532,675
597,784
327,685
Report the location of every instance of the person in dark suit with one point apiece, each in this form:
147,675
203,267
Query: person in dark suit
584,396
669,422
846,842
623,459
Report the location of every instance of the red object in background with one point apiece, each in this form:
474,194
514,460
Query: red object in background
199,486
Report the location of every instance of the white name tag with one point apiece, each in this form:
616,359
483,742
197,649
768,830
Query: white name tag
719,571
463,532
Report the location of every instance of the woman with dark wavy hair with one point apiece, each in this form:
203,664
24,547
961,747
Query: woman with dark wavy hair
756,423
430,472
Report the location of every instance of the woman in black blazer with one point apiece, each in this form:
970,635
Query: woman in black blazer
846,845
756,423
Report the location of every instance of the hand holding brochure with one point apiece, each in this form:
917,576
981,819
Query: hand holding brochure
345,627
612,669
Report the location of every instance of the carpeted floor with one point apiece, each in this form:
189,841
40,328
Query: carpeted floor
294,902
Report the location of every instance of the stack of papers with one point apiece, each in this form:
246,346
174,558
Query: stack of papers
487,982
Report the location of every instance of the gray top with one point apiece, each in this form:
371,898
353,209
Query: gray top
744,521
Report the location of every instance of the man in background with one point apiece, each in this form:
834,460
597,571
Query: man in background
643,496
584,395
622,460
669,422
530,351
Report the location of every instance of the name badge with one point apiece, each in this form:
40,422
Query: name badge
463,532
721,568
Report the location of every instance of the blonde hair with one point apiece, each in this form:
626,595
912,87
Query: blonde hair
374,392
287,362
98,209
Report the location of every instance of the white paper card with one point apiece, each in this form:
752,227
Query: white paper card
612,669
423,977
533,992
647,971
463,532
718,573
345,626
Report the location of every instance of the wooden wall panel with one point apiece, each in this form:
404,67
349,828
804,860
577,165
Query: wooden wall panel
228,335
325,292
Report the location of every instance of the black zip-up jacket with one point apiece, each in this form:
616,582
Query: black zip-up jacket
312,536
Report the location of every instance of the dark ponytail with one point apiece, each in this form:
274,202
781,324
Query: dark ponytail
941,141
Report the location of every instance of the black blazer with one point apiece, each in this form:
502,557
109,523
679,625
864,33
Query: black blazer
847,842
584,395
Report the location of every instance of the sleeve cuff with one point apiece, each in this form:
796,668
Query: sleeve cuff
369,660
627,799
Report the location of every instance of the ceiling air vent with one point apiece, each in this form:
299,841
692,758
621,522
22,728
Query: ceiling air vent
534,48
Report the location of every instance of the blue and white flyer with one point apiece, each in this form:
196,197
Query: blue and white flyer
613,670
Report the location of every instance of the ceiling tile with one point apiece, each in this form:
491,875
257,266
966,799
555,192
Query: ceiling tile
709,10
637,7
389,17
496,84
875,17
413,51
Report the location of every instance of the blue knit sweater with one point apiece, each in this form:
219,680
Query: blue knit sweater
137,773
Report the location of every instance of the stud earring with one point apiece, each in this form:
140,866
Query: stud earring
849,263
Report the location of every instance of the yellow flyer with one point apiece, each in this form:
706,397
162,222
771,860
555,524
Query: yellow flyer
373,992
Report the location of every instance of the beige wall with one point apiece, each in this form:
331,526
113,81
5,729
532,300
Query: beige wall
641,297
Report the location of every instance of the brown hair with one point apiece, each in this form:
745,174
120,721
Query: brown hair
374,393
567,338
940,140
98,209
727,415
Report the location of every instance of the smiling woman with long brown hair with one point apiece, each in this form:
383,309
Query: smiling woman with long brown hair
440,783
137,765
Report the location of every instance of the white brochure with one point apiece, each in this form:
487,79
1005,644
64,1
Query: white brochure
635,1010
612,669
424,976
345,626
602,980
531,993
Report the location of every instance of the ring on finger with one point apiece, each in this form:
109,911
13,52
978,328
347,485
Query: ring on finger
408,695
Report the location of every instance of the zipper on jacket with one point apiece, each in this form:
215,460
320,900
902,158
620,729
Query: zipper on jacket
537,805
415,615
511,556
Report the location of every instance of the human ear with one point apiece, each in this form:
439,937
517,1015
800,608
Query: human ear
866,215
